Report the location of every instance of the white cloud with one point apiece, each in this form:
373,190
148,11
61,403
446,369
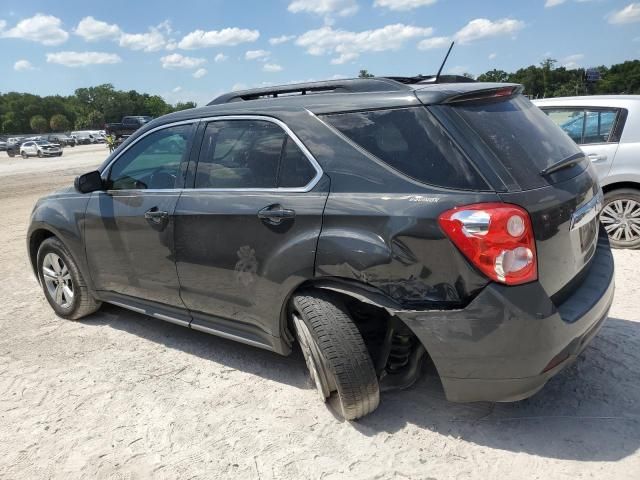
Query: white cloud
175,60
44,29
402,4
629,14
272,67
492,56
484,28
151,41
572,61
177,89
261,55
349,45
215,38
201,72
219,58
342,8
81,59
553,3
239,86
434,42
3,25
281,39
22,66
92,30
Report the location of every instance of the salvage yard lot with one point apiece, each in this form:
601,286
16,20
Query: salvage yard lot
120,395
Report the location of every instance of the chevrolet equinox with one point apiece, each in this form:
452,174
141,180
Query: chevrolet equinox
379,223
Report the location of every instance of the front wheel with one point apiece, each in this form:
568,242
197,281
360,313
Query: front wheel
336,356
11,153
63,284
621,217
24,155
39,154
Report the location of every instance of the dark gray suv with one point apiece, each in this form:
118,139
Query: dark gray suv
379,223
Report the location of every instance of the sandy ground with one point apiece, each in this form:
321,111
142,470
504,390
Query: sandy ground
119,395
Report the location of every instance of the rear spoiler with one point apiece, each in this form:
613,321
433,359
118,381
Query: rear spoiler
486,94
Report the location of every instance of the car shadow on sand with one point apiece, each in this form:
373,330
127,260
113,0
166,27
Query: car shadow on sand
589,412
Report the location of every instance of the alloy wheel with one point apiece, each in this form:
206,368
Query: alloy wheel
621,220
57,279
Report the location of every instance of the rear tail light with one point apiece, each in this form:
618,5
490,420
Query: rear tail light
496,237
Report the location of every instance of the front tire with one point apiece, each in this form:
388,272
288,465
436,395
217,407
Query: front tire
64,287
621,217
39,154
24,155
336,356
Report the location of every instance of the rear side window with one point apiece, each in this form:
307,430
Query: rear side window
585,126
250,154
412,141
519,134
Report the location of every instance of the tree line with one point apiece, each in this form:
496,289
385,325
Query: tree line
549,80
87,108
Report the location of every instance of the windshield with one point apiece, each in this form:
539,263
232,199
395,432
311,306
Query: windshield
521,136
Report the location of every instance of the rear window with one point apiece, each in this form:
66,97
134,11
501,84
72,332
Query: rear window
412,141
520,135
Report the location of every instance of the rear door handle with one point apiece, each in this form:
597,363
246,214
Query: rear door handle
275,214
597,157
156,216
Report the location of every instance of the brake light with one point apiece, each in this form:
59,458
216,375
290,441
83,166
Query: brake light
496,237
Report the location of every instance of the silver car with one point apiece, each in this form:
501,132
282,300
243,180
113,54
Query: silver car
607,128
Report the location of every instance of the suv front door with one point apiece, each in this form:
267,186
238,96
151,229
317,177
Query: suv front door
247,232
129,227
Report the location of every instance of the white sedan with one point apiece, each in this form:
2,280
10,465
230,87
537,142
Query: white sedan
40,148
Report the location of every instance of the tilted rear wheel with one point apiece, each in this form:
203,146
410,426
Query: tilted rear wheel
620,217
63,284
336,355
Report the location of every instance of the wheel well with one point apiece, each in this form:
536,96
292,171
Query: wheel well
619,185
376,325
36,239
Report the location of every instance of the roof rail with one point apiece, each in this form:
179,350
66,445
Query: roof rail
427,79
377,84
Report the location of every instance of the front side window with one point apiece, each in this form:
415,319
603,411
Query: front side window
153,162
250,154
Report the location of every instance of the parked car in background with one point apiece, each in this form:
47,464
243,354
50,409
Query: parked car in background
607,128
82,137
3,145
127,126
62,139
385,225
40,148
13,146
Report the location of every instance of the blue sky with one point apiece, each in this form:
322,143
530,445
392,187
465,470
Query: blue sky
196,49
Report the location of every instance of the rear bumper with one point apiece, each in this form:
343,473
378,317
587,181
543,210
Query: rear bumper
509,341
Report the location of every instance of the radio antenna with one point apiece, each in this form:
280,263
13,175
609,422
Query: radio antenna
443,62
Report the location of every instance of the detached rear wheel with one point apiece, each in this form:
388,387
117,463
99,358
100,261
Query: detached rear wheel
336,356
620,217
62,283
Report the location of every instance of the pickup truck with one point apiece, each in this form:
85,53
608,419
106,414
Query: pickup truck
127,126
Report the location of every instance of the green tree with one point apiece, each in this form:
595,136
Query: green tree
184,106
494,75
365,74
38,124
59,123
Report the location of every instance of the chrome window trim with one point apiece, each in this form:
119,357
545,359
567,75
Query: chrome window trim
308,187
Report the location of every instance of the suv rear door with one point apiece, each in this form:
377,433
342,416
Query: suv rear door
246,232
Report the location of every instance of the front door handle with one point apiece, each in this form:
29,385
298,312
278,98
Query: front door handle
155,215
275,214
597,157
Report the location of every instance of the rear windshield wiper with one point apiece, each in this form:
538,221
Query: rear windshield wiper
565,163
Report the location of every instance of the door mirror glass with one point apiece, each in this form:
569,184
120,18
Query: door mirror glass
89,182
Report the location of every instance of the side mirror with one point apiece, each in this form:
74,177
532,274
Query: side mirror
89,182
